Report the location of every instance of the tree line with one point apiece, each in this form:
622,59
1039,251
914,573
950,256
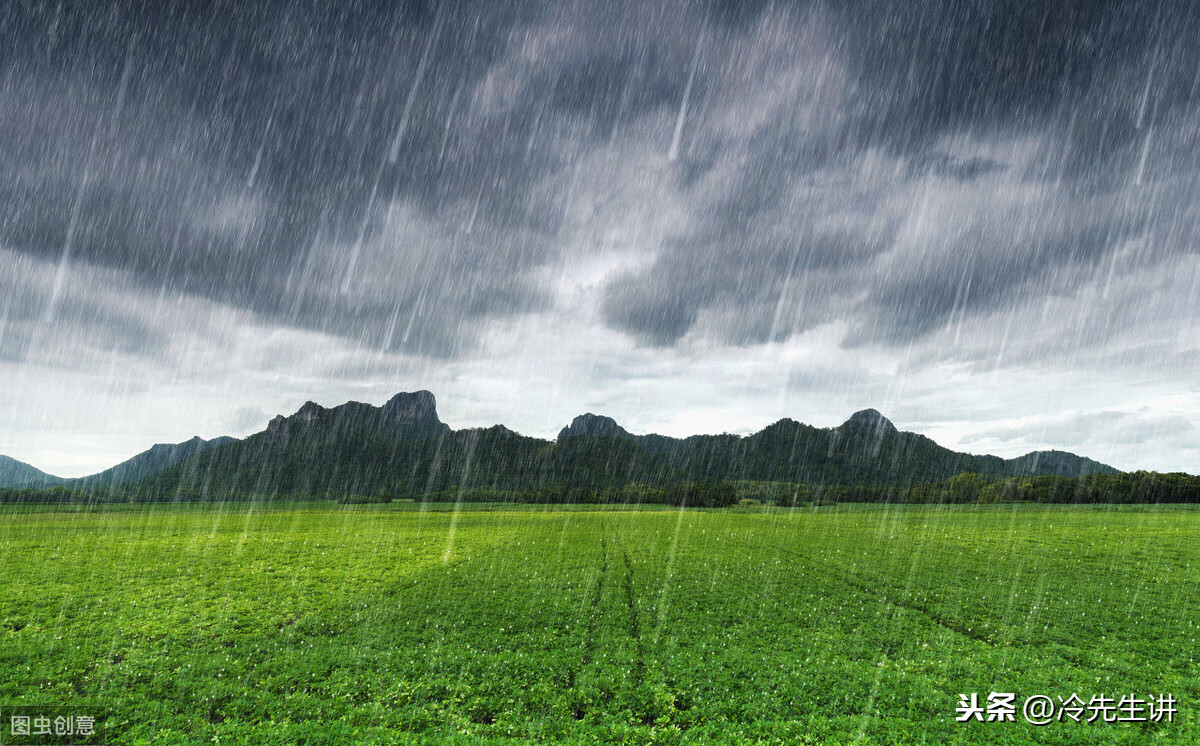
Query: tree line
1140,487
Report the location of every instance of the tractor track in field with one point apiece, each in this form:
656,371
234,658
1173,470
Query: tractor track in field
635,631
595,612
857,582
589,632
639,660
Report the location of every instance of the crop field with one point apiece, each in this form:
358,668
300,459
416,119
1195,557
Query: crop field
395,624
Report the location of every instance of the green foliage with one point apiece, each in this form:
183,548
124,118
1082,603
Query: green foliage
381,497
707,494
1119,489
965,488
414,623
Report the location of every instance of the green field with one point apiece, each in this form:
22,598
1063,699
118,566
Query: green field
394,624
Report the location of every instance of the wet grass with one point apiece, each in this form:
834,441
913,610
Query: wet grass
312,624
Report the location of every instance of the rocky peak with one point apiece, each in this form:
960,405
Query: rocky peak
406,415
594,425
414,414
309,412
417,406
872,419
275,426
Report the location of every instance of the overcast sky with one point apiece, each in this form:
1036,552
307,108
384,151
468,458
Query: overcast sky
979,218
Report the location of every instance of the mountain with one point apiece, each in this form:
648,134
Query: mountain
593,425
353,447
598,426
867,449
1059,464
870,419
15,473
405,416
404,449
159,456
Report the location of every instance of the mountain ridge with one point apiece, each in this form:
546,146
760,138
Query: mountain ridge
14,473
150,461
403,446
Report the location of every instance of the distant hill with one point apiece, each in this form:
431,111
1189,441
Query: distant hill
1059,464
598,426
152,461
404,449
15,473
354,447
406,416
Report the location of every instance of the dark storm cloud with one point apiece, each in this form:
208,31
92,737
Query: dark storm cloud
399,173
257,154
962,169
949,63
34,296
212,151
1101,97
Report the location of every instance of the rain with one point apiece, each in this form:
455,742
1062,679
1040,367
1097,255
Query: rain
672,372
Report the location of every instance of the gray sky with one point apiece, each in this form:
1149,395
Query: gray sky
980,219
